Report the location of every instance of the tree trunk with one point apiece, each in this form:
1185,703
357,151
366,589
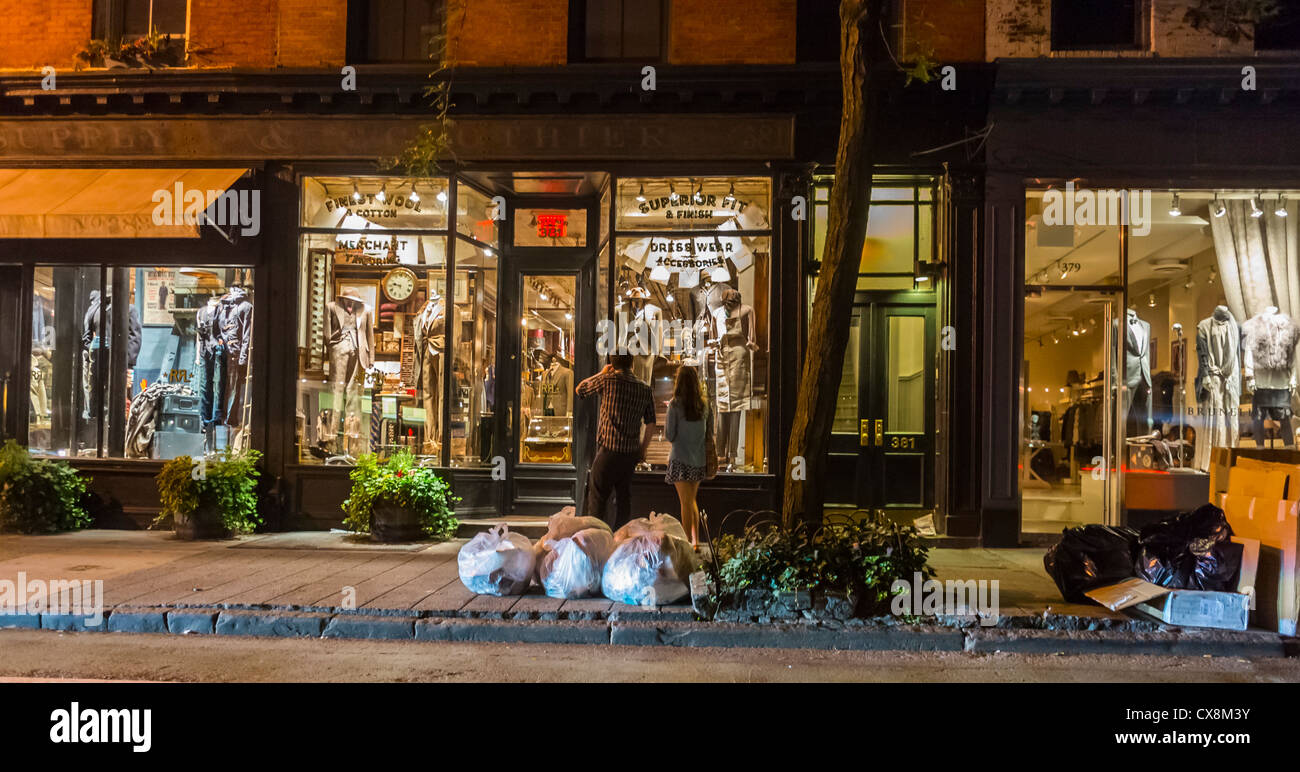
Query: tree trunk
862,46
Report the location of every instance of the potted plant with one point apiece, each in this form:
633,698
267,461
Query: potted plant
844,568
210,498
38,495
399,500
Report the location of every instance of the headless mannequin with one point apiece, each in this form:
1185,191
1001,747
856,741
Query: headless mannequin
349,348
1218,383
733,327
210,362
430,342
1269,368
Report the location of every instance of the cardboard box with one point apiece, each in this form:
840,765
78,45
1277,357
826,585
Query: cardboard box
1275,524
1186,608
1198,608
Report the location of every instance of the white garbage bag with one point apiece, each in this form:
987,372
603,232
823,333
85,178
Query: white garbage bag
572,567
563,525
497,562
649,569
642,525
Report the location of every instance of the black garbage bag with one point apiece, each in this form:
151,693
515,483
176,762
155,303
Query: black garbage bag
1090,557
1190,551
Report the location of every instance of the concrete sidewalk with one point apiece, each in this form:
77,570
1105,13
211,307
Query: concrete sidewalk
337,585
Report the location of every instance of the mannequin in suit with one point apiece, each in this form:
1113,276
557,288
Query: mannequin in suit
1136,373
430,343
349,348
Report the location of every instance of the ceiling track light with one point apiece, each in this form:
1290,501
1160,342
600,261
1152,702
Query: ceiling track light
640,194
672,193
356,192
731,194
413,196
442,196
1280,211
699,194
382,195
1217,208
1255,211
1151,300
1174,209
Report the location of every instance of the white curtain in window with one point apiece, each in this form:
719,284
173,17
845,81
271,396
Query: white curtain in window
1259,259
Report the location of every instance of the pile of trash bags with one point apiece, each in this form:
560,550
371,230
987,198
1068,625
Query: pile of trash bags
647,562
1188,551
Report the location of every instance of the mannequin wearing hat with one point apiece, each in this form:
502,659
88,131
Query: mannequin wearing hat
644,315
430,342
349,348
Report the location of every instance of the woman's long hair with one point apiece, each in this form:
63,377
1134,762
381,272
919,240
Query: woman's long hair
687,394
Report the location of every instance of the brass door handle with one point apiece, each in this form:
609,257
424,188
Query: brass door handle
864,433
880,432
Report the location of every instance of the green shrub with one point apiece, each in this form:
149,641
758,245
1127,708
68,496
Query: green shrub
862,555
227,482
402,482
39,495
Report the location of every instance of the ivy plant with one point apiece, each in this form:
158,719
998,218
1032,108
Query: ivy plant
39,495
226,483
400,481
863,555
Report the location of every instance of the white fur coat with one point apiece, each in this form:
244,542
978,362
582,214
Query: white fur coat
1271,340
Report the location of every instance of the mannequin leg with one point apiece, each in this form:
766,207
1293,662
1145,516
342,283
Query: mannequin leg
432,377
342,363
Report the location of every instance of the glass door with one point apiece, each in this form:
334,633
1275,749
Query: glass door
546,365
11,373
896,415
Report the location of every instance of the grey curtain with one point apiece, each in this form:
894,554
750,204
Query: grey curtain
1258,259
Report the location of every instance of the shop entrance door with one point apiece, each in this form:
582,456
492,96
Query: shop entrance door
882,448
12,372
548,349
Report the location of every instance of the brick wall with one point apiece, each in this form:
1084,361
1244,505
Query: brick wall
40,34
313,33
496,33
946,30
731,31
239,33
1023,28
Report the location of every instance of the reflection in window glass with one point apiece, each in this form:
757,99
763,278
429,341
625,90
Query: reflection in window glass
376,318
472,336
891,240
694,203
846,401
182,345
546,369
476,215
906,374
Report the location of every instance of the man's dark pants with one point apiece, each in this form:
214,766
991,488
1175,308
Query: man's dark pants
611,473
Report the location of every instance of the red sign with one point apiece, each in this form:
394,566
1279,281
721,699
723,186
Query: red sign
552,226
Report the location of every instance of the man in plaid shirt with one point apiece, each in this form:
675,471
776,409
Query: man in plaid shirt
625,404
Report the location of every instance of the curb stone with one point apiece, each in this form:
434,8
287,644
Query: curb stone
489,631
1170,642
370,626
655,627
72,623
138,620
186,622
724,635
281,624
20,621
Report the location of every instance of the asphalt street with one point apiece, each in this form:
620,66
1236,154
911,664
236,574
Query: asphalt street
33,654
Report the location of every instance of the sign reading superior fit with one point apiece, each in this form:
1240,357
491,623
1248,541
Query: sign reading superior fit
352,137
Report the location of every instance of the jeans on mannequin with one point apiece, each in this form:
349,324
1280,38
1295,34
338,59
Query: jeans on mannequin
212,382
